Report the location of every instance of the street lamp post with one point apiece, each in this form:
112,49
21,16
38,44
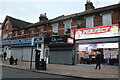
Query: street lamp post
74,50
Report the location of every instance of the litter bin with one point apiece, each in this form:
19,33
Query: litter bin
42,65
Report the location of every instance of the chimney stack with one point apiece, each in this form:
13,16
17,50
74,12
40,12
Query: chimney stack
89,6
43,17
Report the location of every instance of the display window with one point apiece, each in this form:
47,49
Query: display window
86,53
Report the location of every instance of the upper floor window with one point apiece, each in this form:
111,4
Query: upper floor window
67,27
89,22
16,35
106,19
41,32
10,35
32,33
54,29
5,36
22,34
7,25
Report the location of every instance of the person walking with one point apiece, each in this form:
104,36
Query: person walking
98,60
4,55
16,60
11,60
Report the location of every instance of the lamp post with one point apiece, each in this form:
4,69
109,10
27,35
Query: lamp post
32,44
74,49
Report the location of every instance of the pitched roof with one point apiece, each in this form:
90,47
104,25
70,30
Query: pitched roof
17,23
65,17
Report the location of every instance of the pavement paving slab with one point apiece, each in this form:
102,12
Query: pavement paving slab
70,70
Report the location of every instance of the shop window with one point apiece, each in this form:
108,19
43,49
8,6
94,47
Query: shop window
89,22
54,29
106,19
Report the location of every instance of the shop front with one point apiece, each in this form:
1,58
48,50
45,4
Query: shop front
90,41
21,49
60,50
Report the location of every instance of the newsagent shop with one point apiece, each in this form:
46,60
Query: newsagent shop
103,39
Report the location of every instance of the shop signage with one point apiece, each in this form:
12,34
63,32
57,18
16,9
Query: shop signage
22,41
57,40
70,40
103,31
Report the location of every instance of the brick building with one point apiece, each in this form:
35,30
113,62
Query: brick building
56,42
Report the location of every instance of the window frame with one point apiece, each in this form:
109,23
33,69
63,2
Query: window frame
106,20
22,34
66,27
90,22
32,34
41,32
55,29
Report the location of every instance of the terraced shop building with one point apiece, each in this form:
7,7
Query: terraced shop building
91,27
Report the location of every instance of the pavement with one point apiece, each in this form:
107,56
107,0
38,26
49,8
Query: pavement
82,71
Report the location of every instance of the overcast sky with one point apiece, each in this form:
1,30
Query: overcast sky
29,10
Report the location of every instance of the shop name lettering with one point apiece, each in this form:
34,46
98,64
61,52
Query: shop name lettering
21,41
57,40
95,31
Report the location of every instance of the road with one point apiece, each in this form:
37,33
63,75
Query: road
16,74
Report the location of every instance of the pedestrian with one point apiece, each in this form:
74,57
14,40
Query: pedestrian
16,60
4,55
11,60
1,56
98,60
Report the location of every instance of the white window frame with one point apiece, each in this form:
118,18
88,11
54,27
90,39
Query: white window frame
5,36
67,25
106,19
22,34
6,25
40,32
90,22
10,34
16,35
55,29
32,33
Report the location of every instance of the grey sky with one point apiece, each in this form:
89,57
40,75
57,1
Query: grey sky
30,10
